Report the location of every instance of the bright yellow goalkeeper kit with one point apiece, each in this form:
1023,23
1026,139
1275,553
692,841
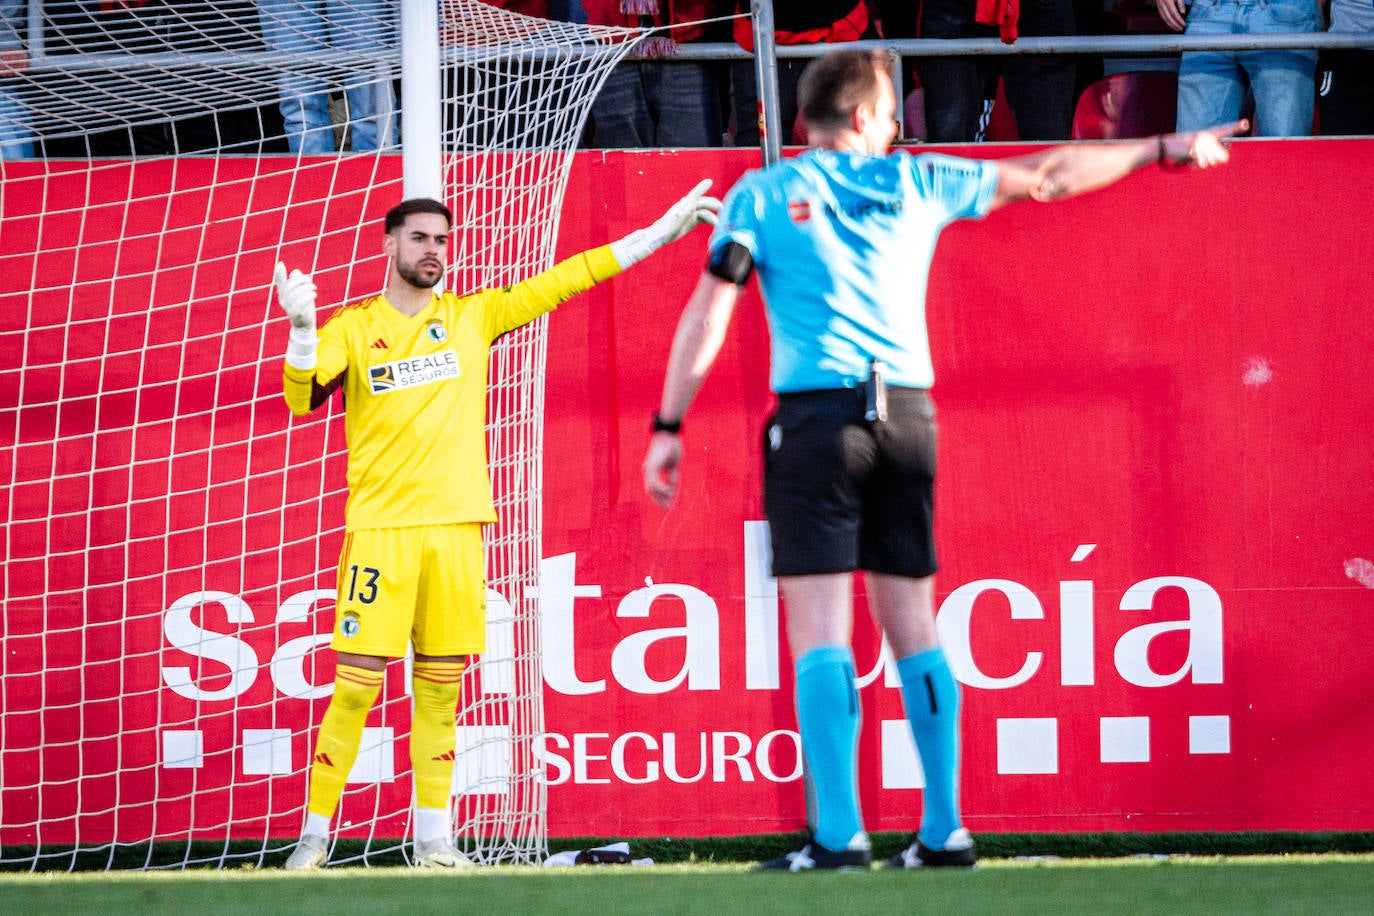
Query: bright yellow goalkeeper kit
414,379
415,393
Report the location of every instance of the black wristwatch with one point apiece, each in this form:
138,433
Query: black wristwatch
664,426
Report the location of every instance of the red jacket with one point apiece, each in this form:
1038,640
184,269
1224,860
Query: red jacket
633,13
1001,13
811,23
537,8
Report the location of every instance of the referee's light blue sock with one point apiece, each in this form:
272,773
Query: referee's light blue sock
828,717
931,695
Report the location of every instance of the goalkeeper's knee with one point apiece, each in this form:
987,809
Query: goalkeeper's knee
355,689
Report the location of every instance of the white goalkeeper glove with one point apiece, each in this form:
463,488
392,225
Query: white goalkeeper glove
681,218
296,293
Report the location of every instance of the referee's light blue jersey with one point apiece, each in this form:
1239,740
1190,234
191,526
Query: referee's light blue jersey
842,244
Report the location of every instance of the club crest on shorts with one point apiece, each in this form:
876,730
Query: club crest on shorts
436,331
349,625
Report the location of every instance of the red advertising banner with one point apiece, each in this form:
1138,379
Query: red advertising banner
1152,516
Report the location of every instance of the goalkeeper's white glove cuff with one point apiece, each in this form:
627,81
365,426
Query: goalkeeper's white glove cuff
300,348
681,218
633,248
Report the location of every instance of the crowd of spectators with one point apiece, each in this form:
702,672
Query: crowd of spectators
302,118
659,97
120,27
16,137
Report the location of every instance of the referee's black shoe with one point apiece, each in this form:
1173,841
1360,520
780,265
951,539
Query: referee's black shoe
857,856
959,852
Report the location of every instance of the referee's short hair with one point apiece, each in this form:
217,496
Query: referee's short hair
837,83
396,216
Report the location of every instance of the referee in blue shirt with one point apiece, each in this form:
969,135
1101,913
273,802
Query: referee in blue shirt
841,238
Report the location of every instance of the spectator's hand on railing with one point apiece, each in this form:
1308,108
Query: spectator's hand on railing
1173,12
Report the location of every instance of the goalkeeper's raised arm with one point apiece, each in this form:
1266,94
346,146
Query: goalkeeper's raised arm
416,240
412,363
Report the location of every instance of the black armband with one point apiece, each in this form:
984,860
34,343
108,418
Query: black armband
661,425
732,263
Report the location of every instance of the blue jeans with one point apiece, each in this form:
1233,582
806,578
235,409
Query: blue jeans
16,138
305,26
652,103
1212,84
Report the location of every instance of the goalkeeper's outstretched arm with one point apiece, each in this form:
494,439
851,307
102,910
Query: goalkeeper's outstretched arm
682,217
531,298
307,385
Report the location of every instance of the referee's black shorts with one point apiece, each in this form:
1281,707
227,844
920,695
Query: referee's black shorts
842,493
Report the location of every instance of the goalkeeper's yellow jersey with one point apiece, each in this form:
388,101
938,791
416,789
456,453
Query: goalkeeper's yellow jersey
415,393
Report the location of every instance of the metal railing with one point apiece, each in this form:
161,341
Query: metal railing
1108,46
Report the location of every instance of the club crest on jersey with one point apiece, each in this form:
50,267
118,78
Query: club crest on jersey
418,370
349,626
799,210
436,331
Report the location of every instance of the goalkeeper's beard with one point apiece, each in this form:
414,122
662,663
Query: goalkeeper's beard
421,277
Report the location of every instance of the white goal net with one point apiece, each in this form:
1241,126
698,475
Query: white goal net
170,535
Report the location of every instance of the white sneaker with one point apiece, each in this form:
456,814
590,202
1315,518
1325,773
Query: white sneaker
439,854
311,853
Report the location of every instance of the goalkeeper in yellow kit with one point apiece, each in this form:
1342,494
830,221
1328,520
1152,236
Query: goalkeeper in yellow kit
412,364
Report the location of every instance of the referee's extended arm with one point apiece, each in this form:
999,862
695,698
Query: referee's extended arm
1066,171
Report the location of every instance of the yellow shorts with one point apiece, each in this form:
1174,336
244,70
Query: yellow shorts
425,584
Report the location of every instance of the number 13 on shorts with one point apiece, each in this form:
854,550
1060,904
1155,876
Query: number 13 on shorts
423,584
362,584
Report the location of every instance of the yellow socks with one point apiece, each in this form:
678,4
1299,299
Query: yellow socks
436,686
341,731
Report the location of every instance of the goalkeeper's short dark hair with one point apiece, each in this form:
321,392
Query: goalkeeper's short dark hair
396,216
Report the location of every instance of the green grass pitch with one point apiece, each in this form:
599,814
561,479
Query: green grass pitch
1322,884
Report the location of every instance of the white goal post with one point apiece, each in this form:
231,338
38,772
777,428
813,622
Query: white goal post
170,535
